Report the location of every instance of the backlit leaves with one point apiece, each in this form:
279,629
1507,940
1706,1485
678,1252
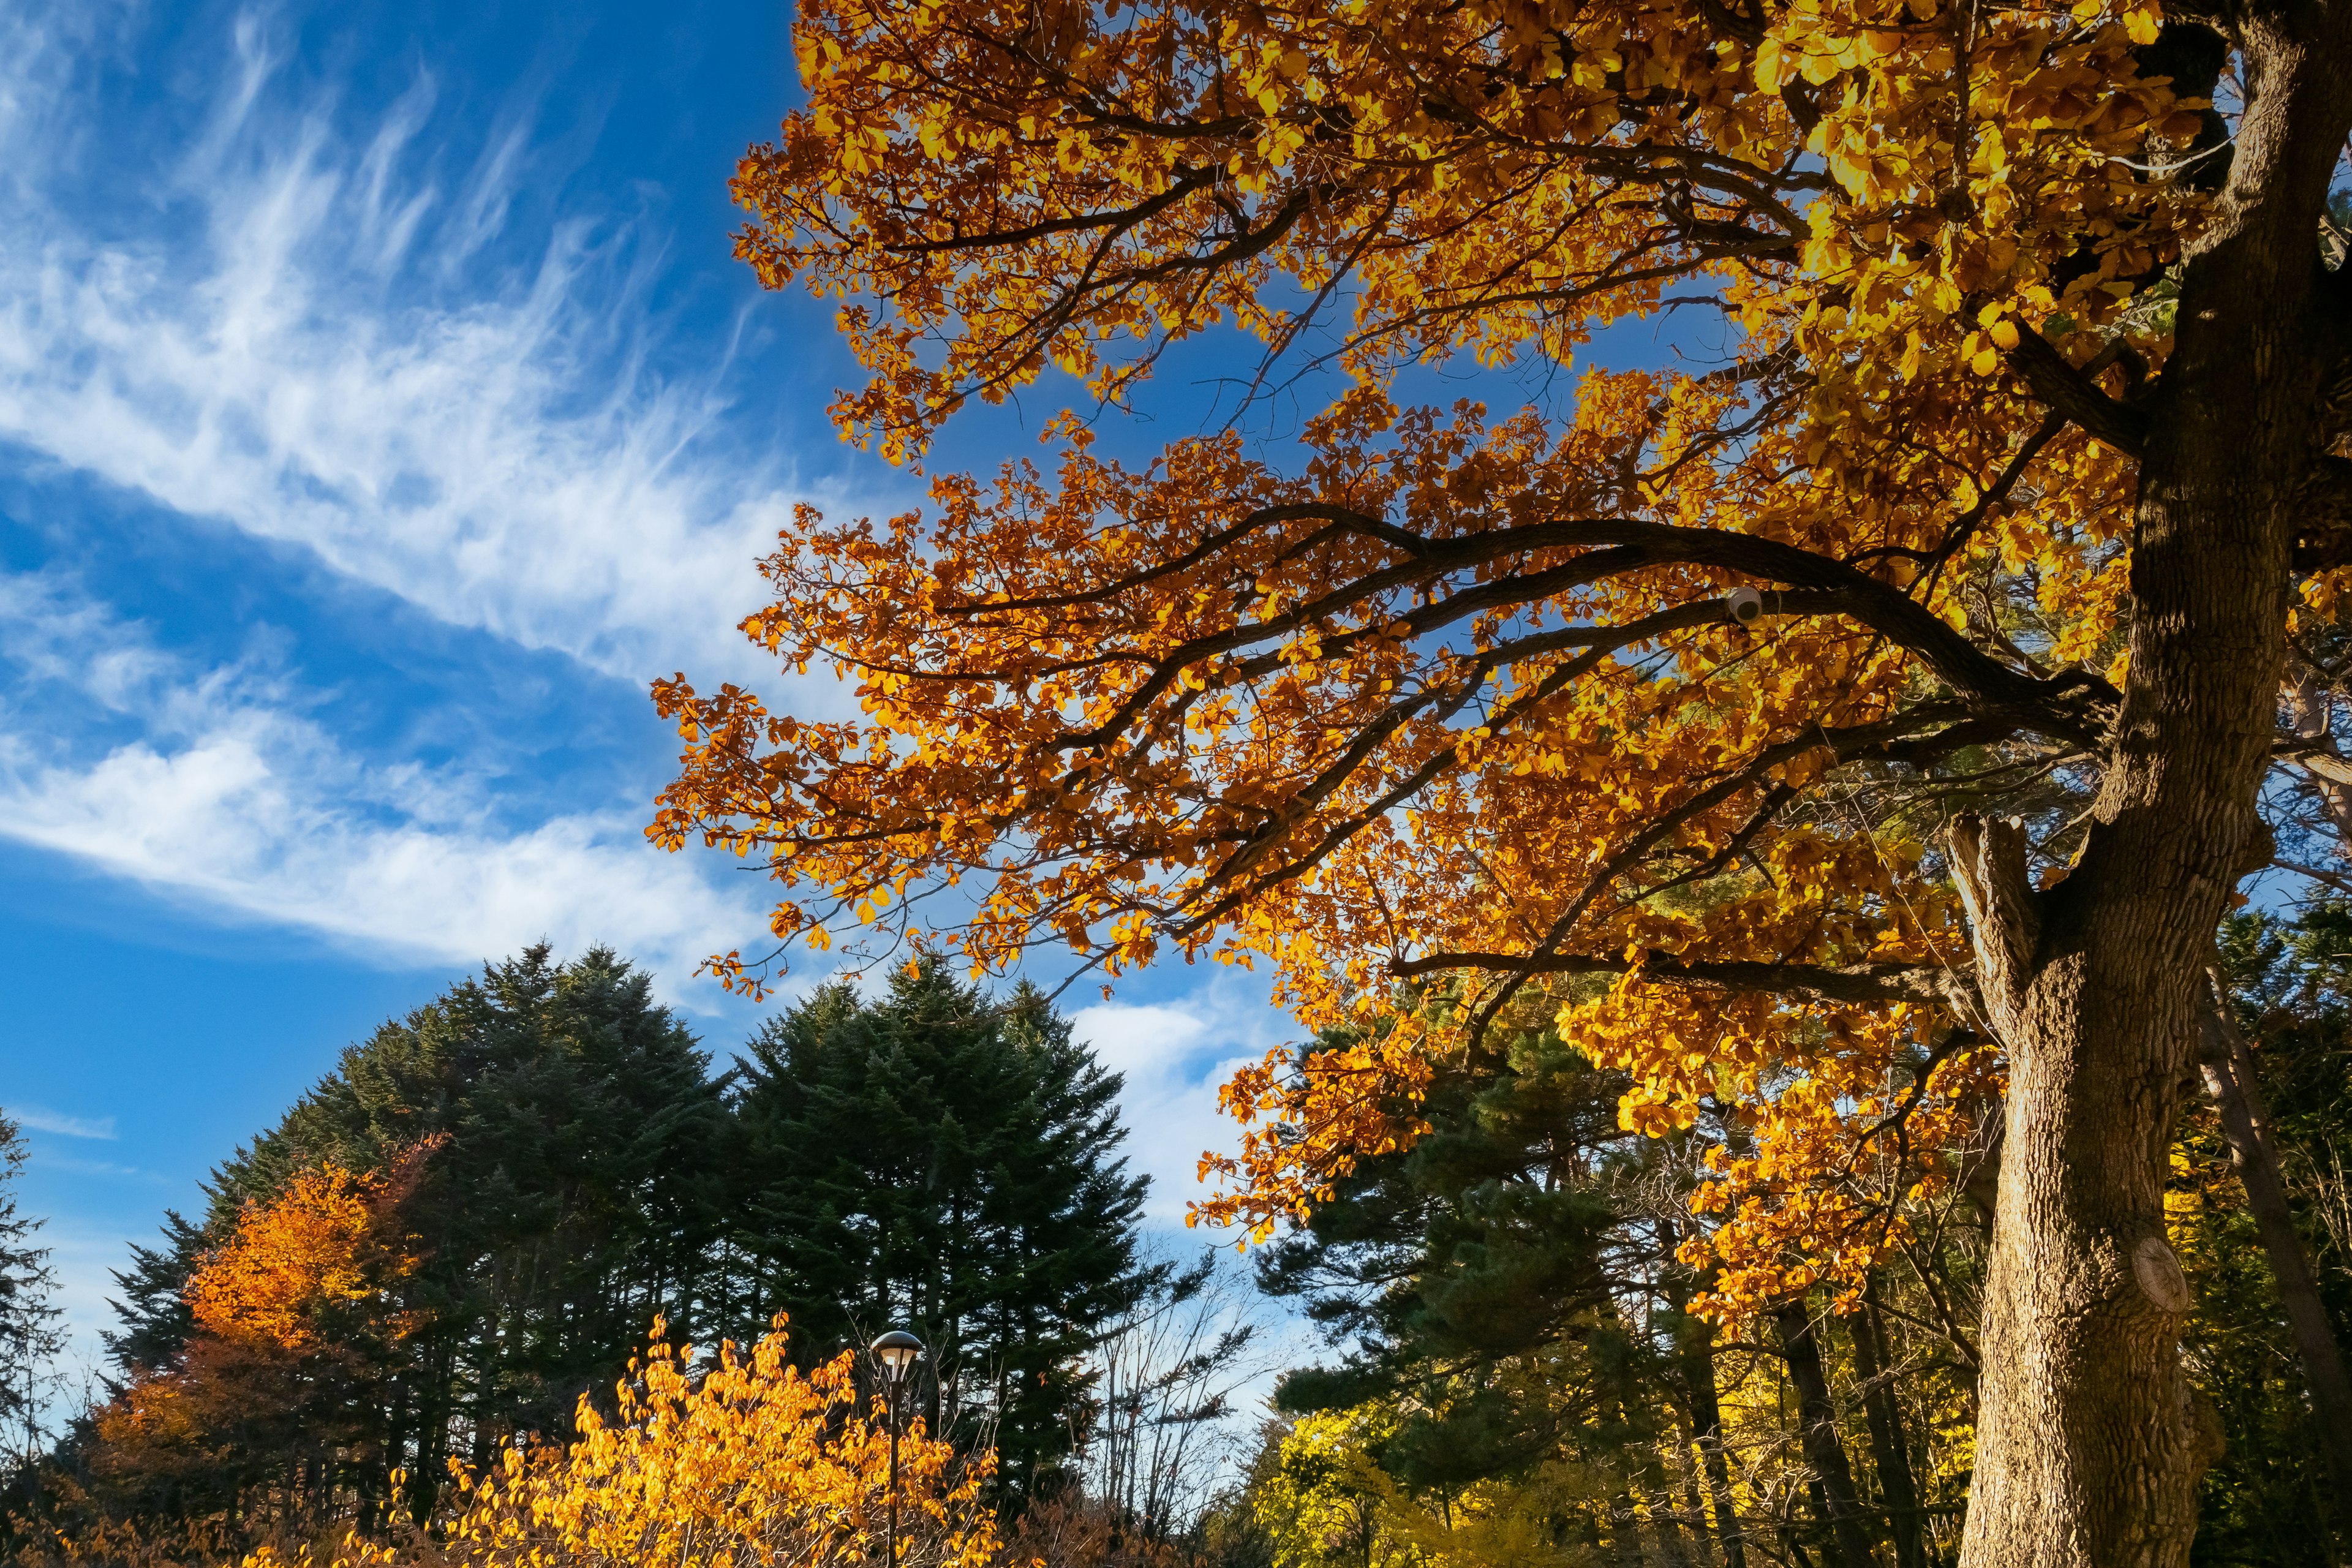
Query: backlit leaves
1450,692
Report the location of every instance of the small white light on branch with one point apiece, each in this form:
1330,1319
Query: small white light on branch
1745,604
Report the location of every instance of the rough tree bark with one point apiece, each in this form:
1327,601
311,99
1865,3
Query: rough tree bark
1817,1429
2229,1068
2089,1441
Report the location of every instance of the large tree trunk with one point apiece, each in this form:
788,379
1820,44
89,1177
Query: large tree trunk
1817,1428
2089,1441
2229,1077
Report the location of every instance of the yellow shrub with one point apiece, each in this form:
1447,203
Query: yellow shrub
753,1465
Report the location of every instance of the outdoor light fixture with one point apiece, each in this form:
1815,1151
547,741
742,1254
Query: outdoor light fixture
1745,604
898,1351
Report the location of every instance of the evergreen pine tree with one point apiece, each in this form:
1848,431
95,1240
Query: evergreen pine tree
29,1339
1486,1249
570,1201
155,1317
938,1160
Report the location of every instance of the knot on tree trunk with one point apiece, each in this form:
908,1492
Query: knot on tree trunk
2004,910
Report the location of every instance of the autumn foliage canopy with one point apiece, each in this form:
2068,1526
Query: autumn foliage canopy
1454,698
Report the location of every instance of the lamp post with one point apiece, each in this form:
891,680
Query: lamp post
898,1351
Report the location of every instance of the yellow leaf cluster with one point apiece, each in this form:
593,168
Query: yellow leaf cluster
750,1461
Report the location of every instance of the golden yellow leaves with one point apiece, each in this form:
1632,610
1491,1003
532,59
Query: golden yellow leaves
942,141
1411,697
1306,1123
290,1256
749,1461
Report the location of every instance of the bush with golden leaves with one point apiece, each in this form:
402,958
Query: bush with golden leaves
751,1462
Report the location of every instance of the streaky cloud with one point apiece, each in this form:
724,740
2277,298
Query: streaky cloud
309,335
41,1119
229,793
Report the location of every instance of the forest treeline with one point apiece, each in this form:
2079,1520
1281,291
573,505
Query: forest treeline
454,1245
479,1215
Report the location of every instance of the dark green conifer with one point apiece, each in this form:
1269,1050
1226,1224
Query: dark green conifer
570,1198
940,1162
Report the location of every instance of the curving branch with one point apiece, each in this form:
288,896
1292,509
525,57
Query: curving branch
2073,706
2068,392
1935,985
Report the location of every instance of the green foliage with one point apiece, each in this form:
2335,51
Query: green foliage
28,1317
573,1200
155,1317
570,1171
938,1160
1519,1365
2266,1498
1485,1257
1328,1501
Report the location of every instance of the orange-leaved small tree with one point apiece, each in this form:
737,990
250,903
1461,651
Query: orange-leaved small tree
1883,706
268,1419
749,1462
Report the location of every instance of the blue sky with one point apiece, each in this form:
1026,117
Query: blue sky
379,409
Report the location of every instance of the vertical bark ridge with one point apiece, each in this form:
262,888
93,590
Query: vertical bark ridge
2090,1440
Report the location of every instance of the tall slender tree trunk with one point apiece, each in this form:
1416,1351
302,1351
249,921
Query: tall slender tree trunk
1817,1427
1889,1452
2089,1441
1707,1431
1688,1462
2229,1068
1694,1350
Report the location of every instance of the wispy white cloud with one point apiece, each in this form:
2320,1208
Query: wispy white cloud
1174,1056
228,792
41,1119
305,328
115,1168
307,336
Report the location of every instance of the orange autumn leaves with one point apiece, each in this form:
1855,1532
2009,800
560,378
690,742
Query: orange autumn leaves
745,1460
1442,716
328,1241
991,186
287,1311
1598,778
749,1461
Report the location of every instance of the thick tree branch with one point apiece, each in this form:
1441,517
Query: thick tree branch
1859,982
2067,391
2072,706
